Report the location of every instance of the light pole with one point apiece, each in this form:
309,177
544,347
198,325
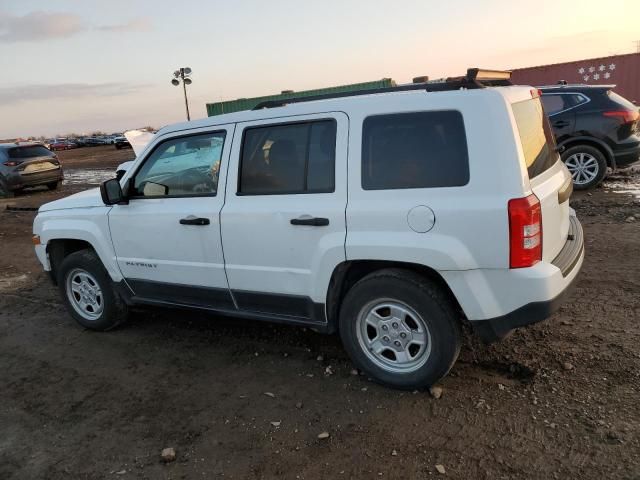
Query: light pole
179,75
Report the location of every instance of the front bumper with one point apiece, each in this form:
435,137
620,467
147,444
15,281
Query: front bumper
568,261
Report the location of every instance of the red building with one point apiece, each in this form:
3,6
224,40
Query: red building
620,70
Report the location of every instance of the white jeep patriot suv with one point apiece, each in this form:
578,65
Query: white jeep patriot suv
390,216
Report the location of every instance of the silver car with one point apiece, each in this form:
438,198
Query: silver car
28,165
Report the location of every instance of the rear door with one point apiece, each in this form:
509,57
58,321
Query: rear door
549,178
561,115
283,221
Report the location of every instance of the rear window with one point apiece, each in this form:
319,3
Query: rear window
29,152
620,100
414,150
538,143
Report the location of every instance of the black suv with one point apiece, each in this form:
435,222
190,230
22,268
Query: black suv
595,128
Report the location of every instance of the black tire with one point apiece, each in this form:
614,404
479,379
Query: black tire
53,185
114,310
600,162
5,191
423,297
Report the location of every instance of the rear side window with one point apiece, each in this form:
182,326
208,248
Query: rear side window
552,103
414,150
557,102
30,152
287,159
538,143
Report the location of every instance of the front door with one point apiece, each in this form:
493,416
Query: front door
283,222
167,238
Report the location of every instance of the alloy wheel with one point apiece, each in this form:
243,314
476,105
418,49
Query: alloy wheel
393,336
584,167
84,294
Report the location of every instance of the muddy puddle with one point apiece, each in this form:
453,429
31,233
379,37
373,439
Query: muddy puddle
87,176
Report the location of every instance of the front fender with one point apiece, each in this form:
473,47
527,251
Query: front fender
87,224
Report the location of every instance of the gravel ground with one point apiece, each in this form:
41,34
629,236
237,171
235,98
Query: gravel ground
248,400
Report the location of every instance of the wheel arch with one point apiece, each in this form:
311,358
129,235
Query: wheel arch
601,146
60,248
348,273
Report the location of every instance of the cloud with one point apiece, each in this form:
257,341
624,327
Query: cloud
135,25
40,25
24,93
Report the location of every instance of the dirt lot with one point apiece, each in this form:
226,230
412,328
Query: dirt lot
558,400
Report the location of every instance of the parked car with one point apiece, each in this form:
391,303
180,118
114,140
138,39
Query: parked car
28,165
595,128
93,142
55,144
389,216
122,142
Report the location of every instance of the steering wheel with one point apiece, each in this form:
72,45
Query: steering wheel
199,182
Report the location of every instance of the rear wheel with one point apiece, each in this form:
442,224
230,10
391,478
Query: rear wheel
400,329
88,292
586,164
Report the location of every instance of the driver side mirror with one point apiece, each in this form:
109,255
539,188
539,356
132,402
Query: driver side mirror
111,192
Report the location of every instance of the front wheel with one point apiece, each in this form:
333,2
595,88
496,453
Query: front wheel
586,164
88,293
53,185
400,329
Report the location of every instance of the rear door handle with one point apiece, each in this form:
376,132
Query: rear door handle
192,220
561,123
312,221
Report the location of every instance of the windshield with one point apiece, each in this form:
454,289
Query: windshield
538,143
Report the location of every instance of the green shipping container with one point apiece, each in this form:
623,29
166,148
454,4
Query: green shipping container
248,103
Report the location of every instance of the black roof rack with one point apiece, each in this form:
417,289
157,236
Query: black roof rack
475,78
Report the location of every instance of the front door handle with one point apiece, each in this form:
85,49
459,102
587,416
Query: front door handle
192,220
312,221
561,123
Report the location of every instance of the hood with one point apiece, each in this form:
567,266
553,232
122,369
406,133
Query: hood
86,199
138,139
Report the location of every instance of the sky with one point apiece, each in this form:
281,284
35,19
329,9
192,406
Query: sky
84,65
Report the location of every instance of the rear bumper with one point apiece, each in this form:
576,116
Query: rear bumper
568,261
627,156
20,180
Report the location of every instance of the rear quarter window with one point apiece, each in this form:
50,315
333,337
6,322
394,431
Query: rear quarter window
538,142
414,150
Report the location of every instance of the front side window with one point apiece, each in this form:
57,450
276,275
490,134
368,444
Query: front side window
182,166
288,159
414,150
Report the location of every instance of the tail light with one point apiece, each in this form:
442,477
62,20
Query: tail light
626,116
525,232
